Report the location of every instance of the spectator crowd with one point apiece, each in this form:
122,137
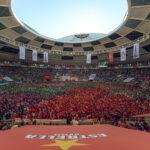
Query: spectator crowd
108,98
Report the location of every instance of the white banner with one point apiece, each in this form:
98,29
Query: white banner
136,48
34,55
92,77
7,79
22,52
123,54
88,59
45,57
128,80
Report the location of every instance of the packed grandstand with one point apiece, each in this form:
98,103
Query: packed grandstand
114,95
103,84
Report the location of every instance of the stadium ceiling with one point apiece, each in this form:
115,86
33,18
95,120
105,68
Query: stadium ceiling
136,27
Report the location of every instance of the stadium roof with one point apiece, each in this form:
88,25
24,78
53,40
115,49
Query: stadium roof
136,28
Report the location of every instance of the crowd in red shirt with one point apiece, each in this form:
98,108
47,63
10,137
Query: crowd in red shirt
87,103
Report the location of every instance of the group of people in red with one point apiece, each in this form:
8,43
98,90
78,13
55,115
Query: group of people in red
88,103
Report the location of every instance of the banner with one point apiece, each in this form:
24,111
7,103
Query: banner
123,54
34,55
136,50
88,59
22,52
45,57
103,64
65,138
128,80
111,56
8,79
18,74
92,77
47,77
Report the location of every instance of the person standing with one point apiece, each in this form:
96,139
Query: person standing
69,119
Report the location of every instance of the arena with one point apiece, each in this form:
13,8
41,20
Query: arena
87,91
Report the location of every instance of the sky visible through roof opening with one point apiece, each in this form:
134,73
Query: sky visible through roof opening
61,18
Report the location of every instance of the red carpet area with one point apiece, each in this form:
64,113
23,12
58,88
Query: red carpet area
96,137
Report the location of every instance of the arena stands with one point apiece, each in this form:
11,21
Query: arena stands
29,96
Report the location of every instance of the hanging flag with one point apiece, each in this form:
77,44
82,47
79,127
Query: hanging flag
111,56
136,50
34,55
45,57
123,54
22,52
88,59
